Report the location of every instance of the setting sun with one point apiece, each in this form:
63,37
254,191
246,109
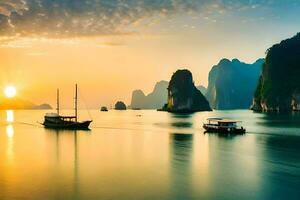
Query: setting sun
10,91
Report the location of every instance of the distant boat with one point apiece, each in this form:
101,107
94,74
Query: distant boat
103,109
220,125
56,121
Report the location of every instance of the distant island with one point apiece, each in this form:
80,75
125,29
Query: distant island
21,104
120,105
43,106
183,96
103,109
156,99
278,89
232,84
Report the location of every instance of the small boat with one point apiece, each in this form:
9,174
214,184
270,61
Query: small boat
103,109
220,125
56,121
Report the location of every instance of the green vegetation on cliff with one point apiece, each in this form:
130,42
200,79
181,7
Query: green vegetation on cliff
279,84
183,96
231,84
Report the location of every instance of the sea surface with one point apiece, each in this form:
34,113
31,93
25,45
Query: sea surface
145,154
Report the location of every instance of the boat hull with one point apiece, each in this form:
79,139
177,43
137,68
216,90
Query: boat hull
68,125
209,129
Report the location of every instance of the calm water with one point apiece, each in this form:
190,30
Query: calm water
149,155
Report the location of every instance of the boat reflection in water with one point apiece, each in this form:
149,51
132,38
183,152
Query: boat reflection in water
181,157
70,137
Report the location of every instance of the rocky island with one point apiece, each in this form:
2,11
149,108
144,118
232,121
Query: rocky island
231,84
43,106
278,89
156,99
120,105
183,96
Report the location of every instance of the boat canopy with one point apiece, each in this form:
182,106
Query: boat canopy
221,120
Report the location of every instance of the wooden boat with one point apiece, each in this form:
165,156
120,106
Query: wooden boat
56,121
220,125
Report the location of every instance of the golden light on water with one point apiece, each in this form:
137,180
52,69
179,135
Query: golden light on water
10,144
10,135
10,131
10,91
9,116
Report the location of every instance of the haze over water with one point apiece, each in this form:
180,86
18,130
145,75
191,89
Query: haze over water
149,155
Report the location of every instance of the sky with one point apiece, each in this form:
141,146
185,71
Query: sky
112,47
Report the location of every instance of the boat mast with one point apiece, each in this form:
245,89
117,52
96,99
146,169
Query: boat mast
57,101
76,101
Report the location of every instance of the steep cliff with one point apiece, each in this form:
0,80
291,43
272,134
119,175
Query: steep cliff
138,99
154,100
202,89
278,89
231,84
183,96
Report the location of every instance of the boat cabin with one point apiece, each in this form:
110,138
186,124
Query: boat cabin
220,122
54,117
223,125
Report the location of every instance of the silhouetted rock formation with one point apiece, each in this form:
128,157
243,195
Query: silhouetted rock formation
202,89
120,105
103,109
20,104
231,84
43,106
278,89
138,99
154,100
183,96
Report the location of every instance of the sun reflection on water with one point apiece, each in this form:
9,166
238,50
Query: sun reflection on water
10,116
10,143
10,135
9,131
